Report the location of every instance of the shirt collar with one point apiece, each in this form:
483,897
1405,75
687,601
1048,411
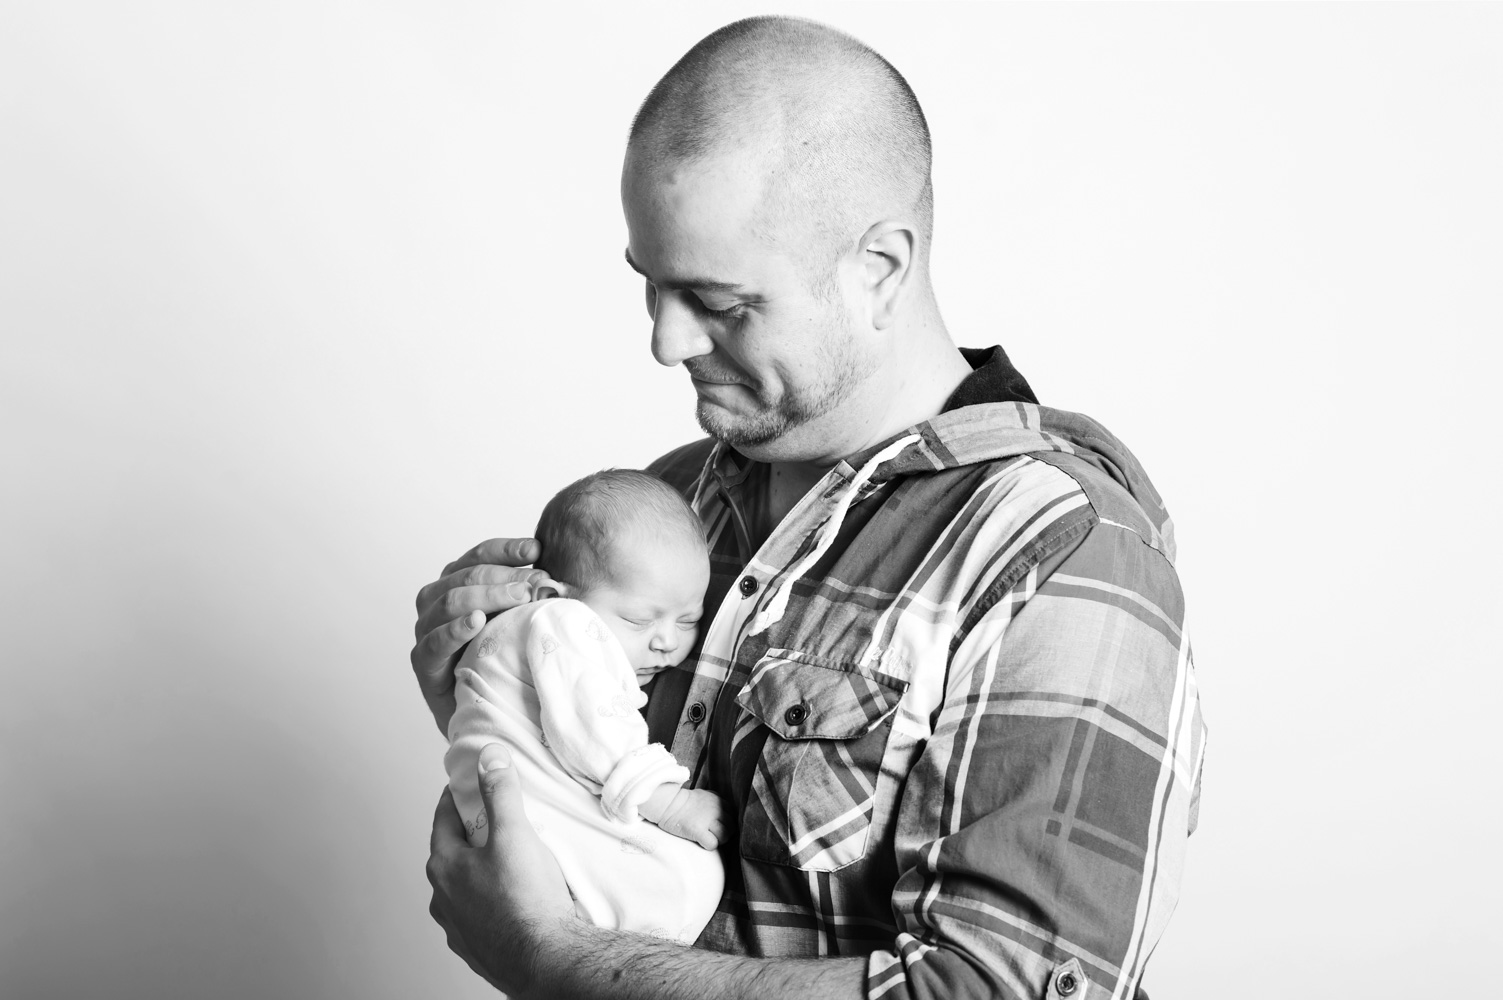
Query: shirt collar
993,379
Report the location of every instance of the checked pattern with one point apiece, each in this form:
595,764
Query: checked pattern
969,745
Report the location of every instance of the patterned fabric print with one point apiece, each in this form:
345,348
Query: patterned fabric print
800,698
970,746
813,795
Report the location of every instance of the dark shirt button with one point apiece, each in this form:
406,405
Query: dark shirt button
796,715
748,586
1066,983
697,713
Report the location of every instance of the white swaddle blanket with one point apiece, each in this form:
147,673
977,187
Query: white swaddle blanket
550,681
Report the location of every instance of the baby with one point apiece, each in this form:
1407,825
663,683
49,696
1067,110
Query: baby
558,682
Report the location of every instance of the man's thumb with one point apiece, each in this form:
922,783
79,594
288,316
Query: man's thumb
499,789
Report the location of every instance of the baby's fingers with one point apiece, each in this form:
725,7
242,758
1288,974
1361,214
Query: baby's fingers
712,836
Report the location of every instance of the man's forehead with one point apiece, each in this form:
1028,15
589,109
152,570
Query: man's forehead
692,224
678,279
727,188
740,163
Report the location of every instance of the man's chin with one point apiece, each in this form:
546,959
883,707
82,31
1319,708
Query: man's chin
739,432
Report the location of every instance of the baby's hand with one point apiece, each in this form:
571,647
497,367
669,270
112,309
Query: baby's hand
694,814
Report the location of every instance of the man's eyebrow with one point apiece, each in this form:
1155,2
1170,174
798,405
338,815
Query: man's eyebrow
690,284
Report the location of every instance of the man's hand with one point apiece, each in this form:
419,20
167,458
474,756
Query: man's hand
496,903
507,912
490,578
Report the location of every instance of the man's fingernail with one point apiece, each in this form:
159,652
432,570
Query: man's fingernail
520,591
473,620
494,757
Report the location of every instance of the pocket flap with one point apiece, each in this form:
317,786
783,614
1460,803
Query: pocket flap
801,698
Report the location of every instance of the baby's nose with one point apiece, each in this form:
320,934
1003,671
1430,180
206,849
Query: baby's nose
665,641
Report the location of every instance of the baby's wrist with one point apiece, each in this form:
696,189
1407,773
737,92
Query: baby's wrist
656,805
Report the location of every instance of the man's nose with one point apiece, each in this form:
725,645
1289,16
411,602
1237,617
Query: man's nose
677,333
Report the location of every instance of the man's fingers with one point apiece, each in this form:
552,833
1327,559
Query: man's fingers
470,576
500,551
442,632
448,831
430,599
501,790
487,599
433,652
432,595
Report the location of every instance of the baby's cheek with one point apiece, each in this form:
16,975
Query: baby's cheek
637,653
625,639
682,653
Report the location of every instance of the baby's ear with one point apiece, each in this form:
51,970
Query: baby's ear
547,588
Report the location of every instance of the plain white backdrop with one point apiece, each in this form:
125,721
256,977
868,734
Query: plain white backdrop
298,300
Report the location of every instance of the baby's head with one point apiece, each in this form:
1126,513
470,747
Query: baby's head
628,546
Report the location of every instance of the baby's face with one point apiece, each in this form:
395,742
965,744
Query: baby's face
654,600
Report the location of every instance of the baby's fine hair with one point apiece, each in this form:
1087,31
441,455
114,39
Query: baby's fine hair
579,523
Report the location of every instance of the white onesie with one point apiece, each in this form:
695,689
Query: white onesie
550,681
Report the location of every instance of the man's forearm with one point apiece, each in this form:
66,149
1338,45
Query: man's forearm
588,963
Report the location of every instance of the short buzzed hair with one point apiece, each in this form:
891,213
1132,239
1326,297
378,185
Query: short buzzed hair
842,129
580,523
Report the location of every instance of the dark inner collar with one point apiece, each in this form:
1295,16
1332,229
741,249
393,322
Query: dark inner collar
992,380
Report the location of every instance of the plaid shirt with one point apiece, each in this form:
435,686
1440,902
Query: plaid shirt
950,701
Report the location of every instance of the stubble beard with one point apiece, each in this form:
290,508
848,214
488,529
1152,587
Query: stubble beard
841,373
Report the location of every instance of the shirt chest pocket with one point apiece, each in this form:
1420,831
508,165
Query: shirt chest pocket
818,777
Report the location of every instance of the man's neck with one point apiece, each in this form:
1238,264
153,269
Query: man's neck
787,482
915,392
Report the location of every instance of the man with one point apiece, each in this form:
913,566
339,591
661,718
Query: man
947,694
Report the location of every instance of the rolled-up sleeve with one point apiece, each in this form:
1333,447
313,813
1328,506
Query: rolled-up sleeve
1041,834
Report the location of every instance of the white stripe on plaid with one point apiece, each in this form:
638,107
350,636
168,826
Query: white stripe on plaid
1027,802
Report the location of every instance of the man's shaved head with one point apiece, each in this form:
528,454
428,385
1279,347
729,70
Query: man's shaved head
834,130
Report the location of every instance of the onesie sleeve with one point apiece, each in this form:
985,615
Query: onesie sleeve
588,700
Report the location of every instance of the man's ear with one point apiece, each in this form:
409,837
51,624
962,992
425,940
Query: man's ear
887,251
